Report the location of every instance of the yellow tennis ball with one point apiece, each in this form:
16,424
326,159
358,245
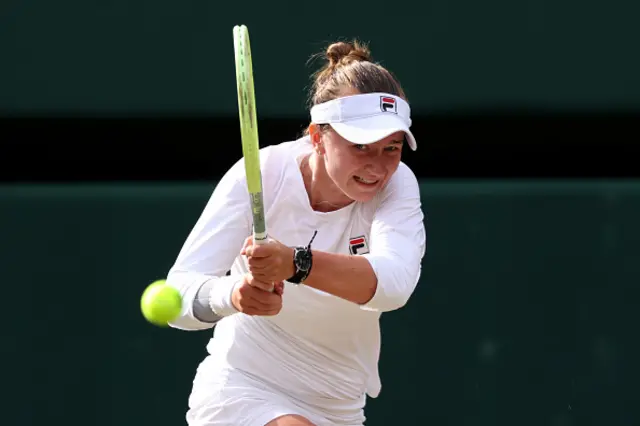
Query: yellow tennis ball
160,303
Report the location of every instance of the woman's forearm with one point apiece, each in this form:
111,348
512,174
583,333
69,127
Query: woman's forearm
348,277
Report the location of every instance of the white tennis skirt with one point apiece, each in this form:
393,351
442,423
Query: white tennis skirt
227,397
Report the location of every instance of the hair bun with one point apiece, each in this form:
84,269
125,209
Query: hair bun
343,53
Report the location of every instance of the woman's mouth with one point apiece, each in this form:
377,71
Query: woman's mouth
368,182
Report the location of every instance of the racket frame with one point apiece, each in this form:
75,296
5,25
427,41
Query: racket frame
249,130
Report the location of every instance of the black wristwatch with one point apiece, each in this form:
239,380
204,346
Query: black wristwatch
302,262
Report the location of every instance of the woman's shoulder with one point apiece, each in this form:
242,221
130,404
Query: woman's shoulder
278,159
273,159
282,152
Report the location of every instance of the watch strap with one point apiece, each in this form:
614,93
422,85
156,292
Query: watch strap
301,274
305,254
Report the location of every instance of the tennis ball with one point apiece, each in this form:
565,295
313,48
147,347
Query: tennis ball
160,303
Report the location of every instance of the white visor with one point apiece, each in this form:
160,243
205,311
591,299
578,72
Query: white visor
366,118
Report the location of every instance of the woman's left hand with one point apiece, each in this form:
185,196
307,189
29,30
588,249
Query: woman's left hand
270,262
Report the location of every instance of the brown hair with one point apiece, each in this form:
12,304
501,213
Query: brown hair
350,66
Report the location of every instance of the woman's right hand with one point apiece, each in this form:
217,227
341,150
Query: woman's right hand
253,297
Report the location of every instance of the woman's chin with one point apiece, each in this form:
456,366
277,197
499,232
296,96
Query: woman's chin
360,196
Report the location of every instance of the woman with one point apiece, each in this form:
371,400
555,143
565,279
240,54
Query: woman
347,236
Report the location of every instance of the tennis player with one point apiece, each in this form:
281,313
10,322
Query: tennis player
347,240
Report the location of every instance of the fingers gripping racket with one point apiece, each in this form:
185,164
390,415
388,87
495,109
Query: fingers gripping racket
249,130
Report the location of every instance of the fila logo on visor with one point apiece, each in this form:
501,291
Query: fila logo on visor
358,245
388,104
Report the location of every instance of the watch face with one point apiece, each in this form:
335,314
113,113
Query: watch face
303,260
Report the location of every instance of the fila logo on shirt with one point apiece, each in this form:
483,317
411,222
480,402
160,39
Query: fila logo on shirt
358,245
388,104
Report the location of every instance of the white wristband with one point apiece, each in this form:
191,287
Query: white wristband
220,295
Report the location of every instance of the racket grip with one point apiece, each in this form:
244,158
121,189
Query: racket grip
259,241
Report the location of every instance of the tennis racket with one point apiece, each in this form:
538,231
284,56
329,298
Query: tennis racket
249,130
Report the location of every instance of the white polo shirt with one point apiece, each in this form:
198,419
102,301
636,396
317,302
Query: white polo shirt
318,346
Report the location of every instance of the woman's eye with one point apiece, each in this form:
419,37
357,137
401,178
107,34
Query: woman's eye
360,147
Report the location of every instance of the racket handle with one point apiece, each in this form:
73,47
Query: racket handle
259,241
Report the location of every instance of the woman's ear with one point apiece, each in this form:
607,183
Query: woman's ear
316,138
314,132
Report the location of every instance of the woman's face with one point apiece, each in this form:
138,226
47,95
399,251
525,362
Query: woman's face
360,171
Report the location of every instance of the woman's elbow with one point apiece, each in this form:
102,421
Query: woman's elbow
392,293
397,299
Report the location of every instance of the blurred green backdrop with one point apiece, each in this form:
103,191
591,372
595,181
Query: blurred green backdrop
128,57
526,312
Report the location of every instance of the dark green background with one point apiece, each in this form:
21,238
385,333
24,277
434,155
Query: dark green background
129,57
525,313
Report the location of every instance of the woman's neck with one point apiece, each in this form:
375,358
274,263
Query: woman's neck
324,195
